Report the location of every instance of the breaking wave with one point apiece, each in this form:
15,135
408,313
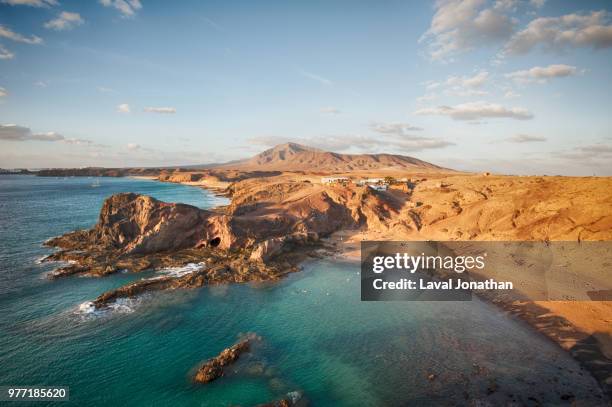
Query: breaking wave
181,271
119,306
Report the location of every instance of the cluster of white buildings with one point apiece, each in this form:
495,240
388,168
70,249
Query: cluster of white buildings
371,181
335,180
378,184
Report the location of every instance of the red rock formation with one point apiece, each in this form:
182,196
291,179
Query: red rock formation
139,224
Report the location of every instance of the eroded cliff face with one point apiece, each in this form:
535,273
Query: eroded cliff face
134,223
139,224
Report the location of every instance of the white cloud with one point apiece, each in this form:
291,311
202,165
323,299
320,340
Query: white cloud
104,89
5,53
133,146
466,92
510,94
330,110
13,132
49,136
567,31
6,32
537,3
593,152
525,138
41,84
542,73
123,108
163,110
461,25
454,85
127,8
65,21
31,3
3,92
506,5
477,110
432,85
213,24
428,97
475,81
395,128
315,77
77,141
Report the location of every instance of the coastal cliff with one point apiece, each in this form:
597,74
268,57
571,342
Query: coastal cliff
273,216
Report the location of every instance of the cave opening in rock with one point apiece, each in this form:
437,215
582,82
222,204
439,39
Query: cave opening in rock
214,242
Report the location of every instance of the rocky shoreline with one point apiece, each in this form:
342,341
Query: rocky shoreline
136,233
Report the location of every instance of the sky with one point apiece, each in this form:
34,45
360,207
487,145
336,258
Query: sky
507,86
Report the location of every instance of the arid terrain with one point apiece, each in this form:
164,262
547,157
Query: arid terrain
281,203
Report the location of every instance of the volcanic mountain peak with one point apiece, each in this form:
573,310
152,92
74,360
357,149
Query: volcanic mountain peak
284,152
297,157
290,148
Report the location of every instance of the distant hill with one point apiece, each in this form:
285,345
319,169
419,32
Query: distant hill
297,157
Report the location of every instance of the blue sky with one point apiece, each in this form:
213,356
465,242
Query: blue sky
508,86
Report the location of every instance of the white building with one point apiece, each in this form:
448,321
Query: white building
335,180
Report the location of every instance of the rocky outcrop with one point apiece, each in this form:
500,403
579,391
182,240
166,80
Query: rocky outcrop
272,247
213,368
222,269
179,177
140,224
136,232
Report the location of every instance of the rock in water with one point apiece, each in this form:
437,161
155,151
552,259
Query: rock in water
213,368
292,399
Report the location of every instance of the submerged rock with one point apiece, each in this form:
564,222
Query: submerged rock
292,399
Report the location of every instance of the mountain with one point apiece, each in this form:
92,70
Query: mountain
297,157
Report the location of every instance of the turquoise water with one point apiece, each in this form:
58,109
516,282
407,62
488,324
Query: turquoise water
317,337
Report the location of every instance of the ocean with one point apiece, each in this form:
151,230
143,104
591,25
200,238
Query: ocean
317,338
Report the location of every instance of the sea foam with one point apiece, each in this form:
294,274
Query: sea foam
181,271
119,306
